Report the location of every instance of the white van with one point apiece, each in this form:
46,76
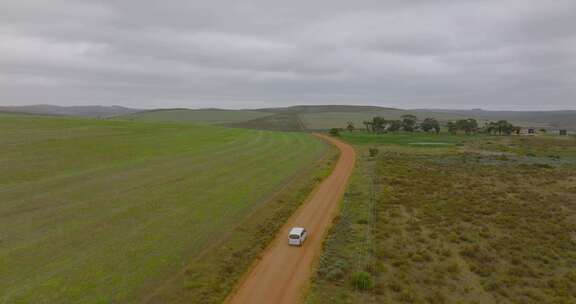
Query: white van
297,236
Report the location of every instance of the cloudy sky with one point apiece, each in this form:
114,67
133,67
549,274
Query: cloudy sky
492,54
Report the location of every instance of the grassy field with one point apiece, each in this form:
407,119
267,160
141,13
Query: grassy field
202,116
488,220
96,211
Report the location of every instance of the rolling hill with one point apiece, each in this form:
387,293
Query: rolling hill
204,116
304,117
83,111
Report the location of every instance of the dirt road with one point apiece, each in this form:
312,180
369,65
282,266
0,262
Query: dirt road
283,272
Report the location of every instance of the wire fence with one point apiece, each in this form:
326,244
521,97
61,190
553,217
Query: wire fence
365,255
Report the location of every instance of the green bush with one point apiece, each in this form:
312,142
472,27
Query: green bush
335,132
362,280
332,270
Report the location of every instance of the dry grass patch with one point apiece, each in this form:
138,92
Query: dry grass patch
460,228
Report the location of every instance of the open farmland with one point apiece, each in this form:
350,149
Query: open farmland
483,219
95,211
200,116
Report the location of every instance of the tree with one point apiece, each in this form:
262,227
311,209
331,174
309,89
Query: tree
469,125
430,124
350,126
373,151
505,127
491,127
394,125
368,125
379,124
409,122
452,127
501,127
335,132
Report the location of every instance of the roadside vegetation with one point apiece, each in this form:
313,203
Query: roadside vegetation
104,211
478,219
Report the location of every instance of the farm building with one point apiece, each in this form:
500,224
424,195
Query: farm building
526,131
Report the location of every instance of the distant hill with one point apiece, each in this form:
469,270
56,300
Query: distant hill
318,117
325,108
84,111
303,117
322,117
282,121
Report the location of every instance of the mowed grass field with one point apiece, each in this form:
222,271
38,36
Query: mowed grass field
95,211
489,219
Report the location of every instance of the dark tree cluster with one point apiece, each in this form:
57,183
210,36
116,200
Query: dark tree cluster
408,123
468,126
501,127
335,132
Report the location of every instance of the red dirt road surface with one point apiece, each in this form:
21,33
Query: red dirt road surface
283,272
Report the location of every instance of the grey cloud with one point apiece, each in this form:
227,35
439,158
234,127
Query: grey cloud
513,54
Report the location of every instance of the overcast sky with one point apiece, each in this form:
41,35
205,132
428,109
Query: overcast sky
491,54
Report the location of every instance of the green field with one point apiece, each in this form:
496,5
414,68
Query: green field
97,211
488,220
202,116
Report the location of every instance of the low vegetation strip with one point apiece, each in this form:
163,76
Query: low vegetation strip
456,224
93,211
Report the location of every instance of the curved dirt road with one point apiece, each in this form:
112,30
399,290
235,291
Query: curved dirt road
283,272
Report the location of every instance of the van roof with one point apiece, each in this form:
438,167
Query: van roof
296,230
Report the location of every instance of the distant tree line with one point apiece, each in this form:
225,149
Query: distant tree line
501,127
410,123
470,126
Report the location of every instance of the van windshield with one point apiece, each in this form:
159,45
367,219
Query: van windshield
294,236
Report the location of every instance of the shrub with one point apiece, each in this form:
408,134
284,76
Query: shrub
373,152
362,280
335,132
333,271
362,221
